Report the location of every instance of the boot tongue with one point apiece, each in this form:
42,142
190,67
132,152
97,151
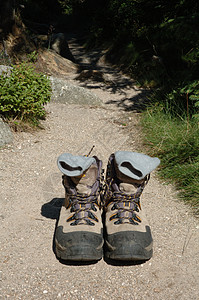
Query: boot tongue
127,188
85,181
127,184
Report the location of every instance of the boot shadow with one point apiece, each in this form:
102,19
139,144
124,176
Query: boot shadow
51,210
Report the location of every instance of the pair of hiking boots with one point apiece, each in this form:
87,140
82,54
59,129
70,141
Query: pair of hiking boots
104,215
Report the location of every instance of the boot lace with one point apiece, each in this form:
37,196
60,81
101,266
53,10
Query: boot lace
83,207
126,205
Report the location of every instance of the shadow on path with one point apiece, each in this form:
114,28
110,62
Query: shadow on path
94,72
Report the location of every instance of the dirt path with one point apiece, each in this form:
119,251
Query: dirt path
31,193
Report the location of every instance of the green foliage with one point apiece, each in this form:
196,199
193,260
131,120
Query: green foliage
23,93
77,7
176,143
67,6
192,92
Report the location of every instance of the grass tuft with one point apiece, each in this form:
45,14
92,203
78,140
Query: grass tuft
176,143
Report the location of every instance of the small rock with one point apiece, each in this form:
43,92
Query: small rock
65,92
6,136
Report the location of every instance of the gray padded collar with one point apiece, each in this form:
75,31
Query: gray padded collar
135,165
72,165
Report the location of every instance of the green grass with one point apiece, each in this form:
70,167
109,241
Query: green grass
176,143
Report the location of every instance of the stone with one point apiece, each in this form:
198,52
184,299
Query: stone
65,92
59,44
93,75
6,136
5,69
52,63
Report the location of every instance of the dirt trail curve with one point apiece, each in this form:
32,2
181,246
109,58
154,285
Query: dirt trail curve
31,193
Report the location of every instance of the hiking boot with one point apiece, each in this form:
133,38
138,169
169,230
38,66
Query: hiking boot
127,233
79,233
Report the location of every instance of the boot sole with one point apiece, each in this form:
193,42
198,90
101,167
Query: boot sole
128,245
128,256
78,246
79,253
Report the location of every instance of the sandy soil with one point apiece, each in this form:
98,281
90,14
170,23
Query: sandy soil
31,193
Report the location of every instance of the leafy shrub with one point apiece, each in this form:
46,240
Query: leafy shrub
23,94
192,92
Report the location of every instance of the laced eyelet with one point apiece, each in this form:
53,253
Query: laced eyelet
82,204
